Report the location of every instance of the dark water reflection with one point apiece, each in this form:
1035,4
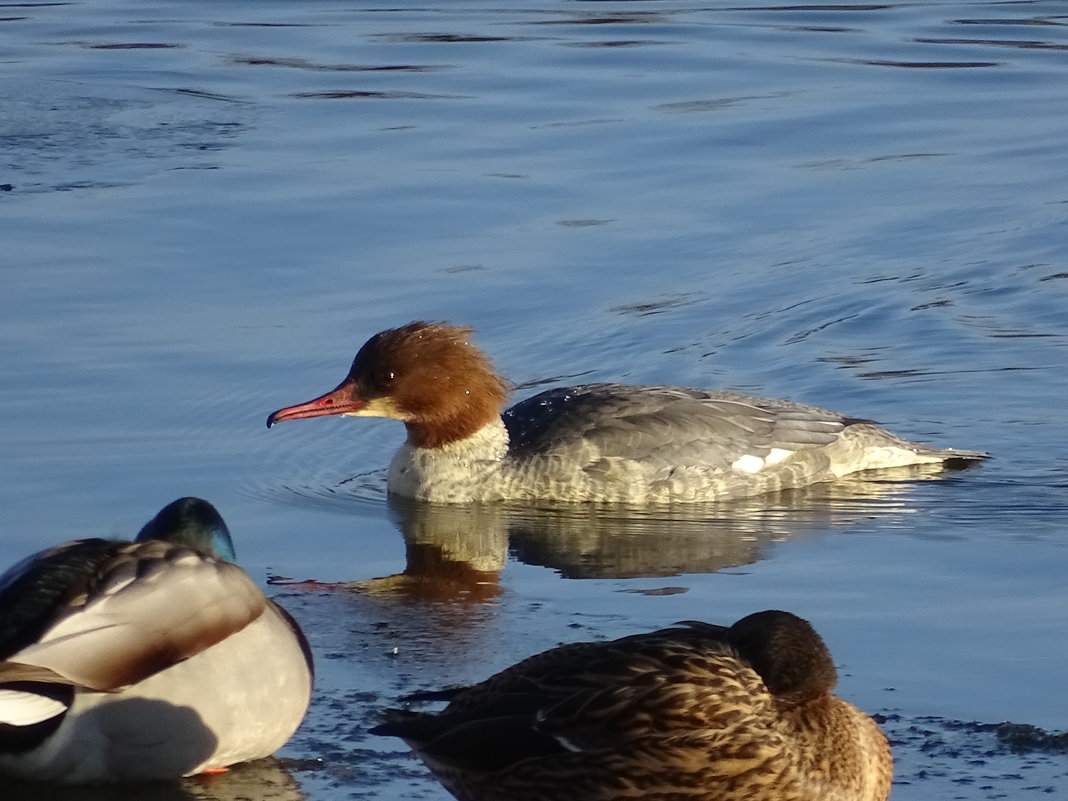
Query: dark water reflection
264,780
459,552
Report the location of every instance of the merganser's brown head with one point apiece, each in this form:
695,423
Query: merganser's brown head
428,375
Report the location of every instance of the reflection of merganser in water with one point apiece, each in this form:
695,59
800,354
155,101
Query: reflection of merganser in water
697,711
596,442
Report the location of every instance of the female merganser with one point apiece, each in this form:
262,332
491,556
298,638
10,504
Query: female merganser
150,659
614,443
697,711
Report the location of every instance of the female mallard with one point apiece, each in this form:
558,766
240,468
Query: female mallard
150,659
696,712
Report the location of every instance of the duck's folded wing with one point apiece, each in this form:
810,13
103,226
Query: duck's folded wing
682,704
556,674
152,605
36,590
707,694
641,422
676,683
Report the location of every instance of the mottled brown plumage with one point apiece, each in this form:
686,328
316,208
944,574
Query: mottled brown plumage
696,712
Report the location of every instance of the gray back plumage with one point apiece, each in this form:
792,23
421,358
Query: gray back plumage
686,425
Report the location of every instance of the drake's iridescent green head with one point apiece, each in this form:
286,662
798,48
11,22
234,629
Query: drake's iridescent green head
193,522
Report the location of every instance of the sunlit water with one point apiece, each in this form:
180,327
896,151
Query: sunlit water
207,206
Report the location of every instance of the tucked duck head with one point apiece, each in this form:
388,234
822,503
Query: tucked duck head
192,522
787,653
144,660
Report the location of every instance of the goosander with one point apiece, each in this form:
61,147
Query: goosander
615,443
151,659
697,711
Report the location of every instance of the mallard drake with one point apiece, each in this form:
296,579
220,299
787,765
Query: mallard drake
613,443
150,659
696,711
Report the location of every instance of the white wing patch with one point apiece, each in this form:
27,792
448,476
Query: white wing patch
754,464
748,464
778,455
18,708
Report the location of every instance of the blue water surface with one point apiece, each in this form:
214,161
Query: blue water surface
207,207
